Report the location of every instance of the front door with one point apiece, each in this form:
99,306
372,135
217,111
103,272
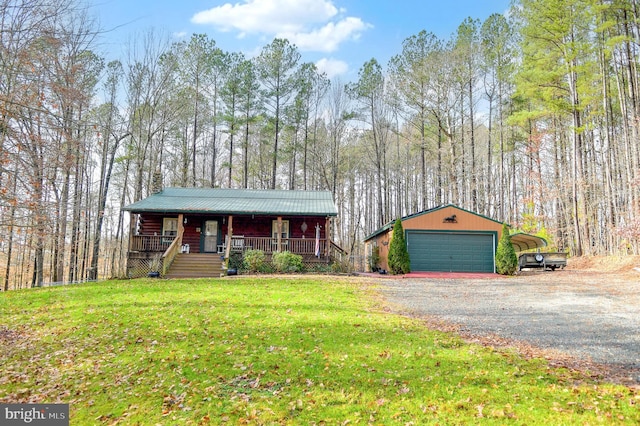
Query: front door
210,236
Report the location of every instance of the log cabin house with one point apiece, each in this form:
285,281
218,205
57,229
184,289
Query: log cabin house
189,232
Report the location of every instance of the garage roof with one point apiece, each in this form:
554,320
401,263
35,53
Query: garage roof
389,225
520,240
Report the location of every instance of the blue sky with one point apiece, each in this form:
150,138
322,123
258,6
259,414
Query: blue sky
338,35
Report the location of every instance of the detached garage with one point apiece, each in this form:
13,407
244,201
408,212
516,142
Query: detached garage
447,239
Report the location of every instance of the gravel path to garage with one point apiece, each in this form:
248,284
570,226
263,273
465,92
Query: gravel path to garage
585,316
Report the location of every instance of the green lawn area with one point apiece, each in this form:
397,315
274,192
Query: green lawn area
271,350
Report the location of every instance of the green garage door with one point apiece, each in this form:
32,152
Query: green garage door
450,252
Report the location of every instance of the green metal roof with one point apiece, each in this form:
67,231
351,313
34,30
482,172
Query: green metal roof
237,201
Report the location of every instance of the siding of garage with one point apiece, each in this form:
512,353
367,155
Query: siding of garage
451,251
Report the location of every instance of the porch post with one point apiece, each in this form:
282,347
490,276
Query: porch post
327,231
227,252
279,238
180,229
132,226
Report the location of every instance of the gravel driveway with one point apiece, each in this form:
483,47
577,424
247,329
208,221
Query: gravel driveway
587,316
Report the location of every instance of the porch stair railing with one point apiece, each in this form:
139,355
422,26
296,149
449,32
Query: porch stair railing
337,252
170,254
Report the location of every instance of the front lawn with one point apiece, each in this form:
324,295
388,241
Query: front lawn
270,350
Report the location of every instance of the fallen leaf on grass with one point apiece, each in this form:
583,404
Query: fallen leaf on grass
172,402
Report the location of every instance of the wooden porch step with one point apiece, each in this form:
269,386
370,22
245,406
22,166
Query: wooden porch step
195,265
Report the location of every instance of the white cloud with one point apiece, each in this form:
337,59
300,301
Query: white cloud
329,37
332,67
316,25
267,16
181,34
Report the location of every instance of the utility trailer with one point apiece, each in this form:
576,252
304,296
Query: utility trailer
551,261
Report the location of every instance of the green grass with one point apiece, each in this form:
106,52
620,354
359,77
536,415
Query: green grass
265,350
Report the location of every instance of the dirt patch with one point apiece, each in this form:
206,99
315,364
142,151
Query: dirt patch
595,270
10,337
605,264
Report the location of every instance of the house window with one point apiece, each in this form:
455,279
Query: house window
169,229
285,229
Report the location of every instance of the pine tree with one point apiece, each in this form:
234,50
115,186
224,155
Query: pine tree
506,259
277,67
399,262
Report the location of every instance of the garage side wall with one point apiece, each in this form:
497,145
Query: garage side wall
382,242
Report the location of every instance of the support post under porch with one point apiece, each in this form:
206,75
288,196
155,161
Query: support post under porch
327,237
279,237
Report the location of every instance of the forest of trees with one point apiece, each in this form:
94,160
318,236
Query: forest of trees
531,119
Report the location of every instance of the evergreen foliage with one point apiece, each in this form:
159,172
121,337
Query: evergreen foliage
506,259
531,224
398,255
286,261
374,259
254,260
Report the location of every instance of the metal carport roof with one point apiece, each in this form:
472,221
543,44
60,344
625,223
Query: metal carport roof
522,241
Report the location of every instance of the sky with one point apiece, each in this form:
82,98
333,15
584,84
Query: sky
339,36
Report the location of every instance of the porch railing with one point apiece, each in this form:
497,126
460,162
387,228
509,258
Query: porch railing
152,243
303,246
